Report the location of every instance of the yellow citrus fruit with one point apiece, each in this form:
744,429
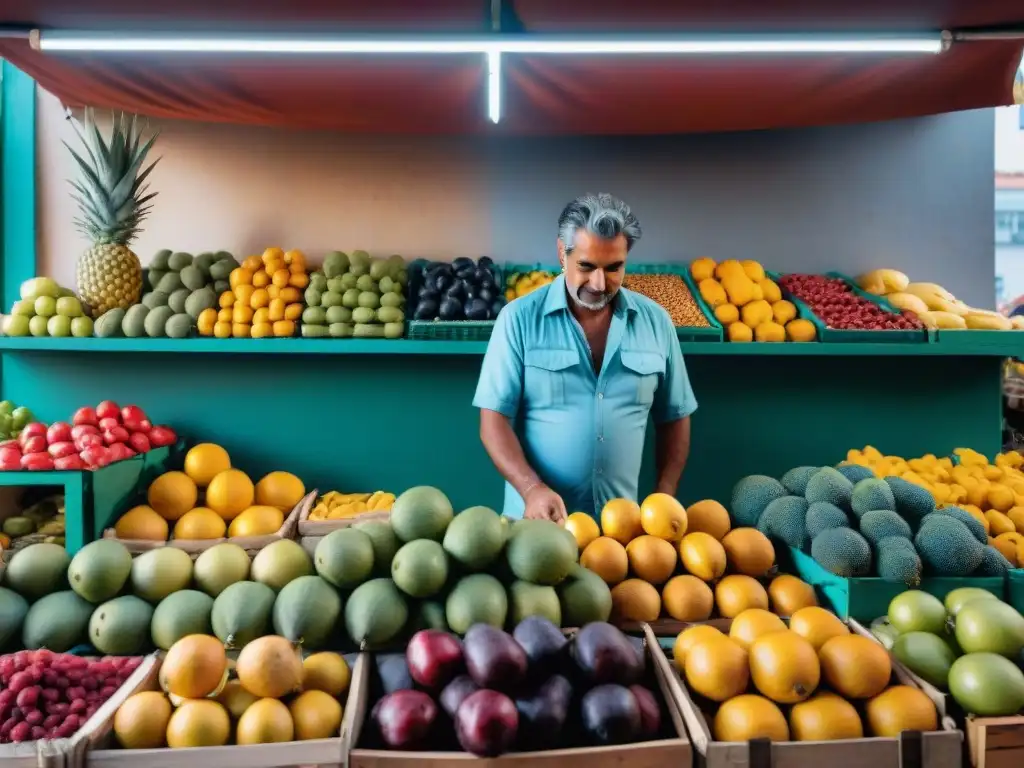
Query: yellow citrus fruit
635,600
194,666
708,516
784,667
204,461
200,523
267,721
256,521
748,551
816,625
198,723
687,598
752,624
141,523
717,668
663,516
749,717
607,558
855,667
141,722
688,638
702,555
172,494
825,717
317,715
236,699
652,558
280,489
620,519
583,527
900,708
789,594
270,667
736,593
230,492
327,672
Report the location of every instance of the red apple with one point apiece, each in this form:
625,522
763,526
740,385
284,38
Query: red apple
132,416
83,429
37,461
72,462
162,435
11,444
96,456
139,442
11,453
35,429
59,432
35,444
84,441
120,452
143,426
115,435
62,449
108,409
85,415
9,461
107,422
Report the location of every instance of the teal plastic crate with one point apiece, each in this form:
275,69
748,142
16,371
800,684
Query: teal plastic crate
76,524
1008,343
1015,588
867,598
448,330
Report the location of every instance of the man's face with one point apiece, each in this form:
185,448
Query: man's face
594,270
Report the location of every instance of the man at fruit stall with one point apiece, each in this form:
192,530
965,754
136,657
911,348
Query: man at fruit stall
574,370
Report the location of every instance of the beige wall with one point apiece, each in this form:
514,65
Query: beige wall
243,189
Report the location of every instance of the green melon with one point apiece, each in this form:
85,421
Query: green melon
306,611
38,570
99,570
421,513
121,627
184,613
242,612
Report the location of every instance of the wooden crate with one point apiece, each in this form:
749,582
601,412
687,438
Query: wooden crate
312,531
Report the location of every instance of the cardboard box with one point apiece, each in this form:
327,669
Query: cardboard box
666,753
935,749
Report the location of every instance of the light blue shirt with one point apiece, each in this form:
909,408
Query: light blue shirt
583,432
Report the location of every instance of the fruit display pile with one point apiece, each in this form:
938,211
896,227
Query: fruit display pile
46,695
270,695
747,303
356,296
460,290
836,305
521,283
969,645
264,298
13,419
335,505
210,499
94,438
640,549
811,681
46,309
671,292
493,692
35,520
933,305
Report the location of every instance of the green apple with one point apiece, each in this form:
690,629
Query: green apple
81,327
24,307
16,325
46,306
69,306
59,326
21,417
6,407
39,286
37,326
6,423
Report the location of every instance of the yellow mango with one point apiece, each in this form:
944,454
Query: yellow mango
740,332
753,270
739,288
1015,515
999,523
907,301
999,497
783,311
883,281
992,472
729,267
702,268
957,493
769,331
726,314
756,312
987,322
770,292
801,330
712,292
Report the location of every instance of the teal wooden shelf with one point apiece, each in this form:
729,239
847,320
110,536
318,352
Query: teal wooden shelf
1011,347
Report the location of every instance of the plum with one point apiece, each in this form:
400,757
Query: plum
486,723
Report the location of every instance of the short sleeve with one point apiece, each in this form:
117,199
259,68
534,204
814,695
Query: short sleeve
674,399
500,387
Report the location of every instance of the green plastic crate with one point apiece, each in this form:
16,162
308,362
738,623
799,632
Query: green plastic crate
449,330
1015,589
1008,343
76,526
867,598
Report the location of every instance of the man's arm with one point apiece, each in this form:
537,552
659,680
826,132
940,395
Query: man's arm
506,452
672,449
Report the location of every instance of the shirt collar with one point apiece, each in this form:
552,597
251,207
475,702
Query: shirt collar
557,299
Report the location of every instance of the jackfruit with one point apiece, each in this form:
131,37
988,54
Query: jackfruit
879,524
828,484
898,561
947,547
912,501
871,494
784,519
976,528
854,472
842,551
796,479
821,516
751,495
993,563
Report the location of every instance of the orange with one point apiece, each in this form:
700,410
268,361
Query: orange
583,528
784,667
280,277
194,666
686,639
239,276
256,521
607,558
900,708
752,624
172,494
620,519
279,489
702,555
267,721
327,672
816,625
708,516
143,523
199,723
651,558
259,299
141,722
663,516
736,593
270,667
316,714
635,600
717,668
825,717
230,492
298,280
200,523
749,717
260,279
687,598
748,551
855,667
789,594
204,461
1007,547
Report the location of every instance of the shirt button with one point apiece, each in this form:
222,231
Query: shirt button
600,395
600,438
599,471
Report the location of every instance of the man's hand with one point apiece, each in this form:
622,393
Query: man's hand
542,503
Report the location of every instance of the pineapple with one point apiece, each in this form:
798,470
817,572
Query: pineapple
112,202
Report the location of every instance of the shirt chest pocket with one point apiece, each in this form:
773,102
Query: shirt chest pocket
641,373
547,374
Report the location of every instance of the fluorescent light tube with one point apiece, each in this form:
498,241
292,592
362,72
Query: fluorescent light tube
494,86
74,41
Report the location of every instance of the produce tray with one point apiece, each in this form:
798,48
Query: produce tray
970,341
1015,588
833,335
866,598
671,751
933,749
448,330
714,331
312,531
76,533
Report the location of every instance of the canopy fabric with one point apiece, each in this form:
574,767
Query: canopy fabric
542,95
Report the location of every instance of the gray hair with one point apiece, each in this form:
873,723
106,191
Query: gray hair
603,215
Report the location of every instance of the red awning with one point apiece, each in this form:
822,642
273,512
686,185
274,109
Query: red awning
542,94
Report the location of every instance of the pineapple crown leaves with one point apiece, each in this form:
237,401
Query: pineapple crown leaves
112,193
